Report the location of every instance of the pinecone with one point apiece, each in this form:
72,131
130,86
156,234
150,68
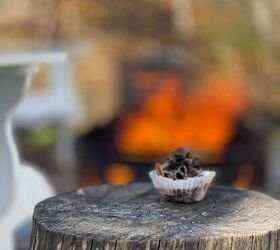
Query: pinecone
181,165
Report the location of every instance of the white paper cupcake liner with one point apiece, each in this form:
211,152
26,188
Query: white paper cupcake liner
188,190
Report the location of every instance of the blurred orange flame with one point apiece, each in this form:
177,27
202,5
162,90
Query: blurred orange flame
203,120
118,173
245,176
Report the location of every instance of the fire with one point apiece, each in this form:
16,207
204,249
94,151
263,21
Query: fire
245,176
118,173
203,119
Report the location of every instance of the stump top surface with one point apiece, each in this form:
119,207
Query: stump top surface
136,211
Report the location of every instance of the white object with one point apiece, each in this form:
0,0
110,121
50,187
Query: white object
21,187
56,104
193,188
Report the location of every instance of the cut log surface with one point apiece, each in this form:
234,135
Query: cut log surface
135,217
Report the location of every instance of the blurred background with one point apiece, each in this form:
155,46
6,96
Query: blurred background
144,77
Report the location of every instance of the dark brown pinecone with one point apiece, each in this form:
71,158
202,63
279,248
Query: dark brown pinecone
181,164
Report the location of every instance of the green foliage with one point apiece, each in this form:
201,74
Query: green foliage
41,136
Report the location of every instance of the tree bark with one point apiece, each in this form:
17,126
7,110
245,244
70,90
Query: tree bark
135,217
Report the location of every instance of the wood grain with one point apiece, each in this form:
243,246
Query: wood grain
135,217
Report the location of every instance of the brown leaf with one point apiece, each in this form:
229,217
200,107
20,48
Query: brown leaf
159,169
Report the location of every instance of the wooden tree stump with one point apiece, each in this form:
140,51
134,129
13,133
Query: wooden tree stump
135,217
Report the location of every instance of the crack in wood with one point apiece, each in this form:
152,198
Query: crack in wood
159,242
231,242
62,242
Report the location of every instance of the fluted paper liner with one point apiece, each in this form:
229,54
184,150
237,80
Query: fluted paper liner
188,190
